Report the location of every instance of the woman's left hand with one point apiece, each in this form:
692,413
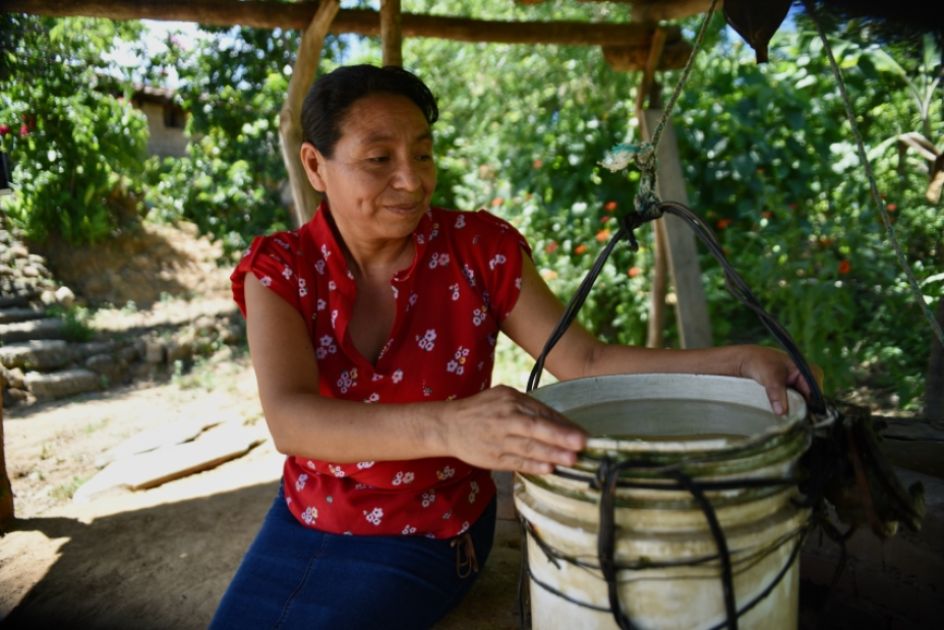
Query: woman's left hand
775,371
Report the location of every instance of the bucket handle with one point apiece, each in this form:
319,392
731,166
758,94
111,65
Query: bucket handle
822,412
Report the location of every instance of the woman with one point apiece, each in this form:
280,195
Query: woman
386,507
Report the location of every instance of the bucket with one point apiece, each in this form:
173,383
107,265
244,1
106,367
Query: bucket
655,437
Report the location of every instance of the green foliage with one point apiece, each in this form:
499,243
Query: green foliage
76,144
771,163
230,182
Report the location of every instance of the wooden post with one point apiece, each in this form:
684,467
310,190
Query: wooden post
6,490
660,272
691,308
391,38
304,197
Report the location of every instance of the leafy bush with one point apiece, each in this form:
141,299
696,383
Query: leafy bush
77,146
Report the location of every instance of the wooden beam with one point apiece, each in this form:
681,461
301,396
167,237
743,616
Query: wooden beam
297,15
652,10
391,35
691,307
305,197
6,490
629,58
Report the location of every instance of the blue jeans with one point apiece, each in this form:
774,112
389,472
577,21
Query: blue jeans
296,577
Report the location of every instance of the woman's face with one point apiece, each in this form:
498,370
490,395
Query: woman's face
381,176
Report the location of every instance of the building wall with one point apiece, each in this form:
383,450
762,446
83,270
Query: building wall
164,140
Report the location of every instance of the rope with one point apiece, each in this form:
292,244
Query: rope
873,186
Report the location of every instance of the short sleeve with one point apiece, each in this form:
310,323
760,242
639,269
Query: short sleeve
272,259
504,248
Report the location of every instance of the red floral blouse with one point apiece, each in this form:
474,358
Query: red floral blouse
464,280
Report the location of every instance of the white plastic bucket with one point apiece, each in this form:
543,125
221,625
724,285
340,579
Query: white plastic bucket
669,574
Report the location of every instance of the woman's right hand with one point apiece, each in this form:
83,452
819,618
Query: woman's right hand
504,429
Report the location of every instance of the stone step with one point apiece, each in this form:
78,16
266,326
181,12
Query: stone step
39,355
19,299
52,385
47,328
20,314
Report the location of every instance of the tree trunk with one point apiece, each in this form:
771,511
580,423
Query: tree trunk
6,490
305,198
391,37
934,383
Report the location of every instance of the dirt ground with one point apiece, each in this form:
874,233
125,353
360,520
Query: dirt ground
159,558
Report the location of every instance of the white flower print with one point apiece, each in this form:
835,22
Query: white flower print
374,397
265,281
310,515
360,486
375,516
397,376
336,470
469,274
428,342
300,482
302,287
457,364
420,239
454,291
408,530
325,251
329,499
438,260
464,528
286,272
334,317
311,464
473,491
320,267
281,243
518,283
365,465
325,347
428,497
445,473
478,316
446,516
321,305
460,222
396,291
498,259
411,302
403,478
347,380
332,285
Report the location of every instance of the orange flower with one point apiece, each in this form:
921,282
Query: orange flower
633,272
722,224
551,247
497,201
538,163
580,249
603,235
610,206
605,218
844,267
891,207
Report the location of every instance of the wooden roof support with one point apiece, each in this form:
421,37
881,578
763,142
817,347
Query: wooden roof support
305,198
297,15
391,36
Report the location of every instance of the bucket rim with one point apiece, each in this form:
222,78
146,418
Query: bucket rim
673,386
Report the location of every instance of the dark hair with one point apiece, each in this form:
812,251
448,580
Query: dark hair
332,95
